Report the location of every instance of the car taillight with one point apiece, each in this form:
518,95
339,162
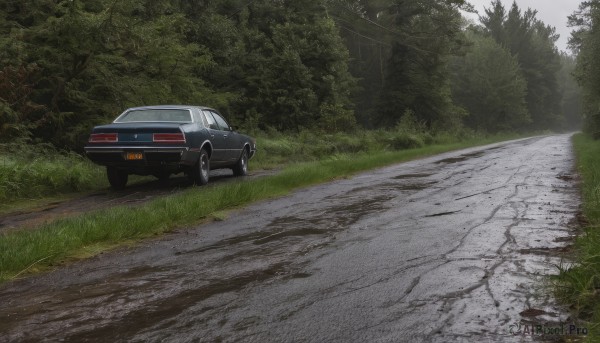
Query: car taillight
168,138
103,138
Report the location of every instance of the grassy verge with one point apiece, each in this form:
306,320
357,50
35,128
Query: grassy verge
31,251
43,171
276,149
579,285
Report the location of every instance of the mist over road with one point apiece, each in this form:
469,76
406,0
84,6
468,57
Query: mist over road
453,247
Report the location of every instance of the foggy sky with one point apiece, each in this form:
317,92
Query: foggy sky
551,12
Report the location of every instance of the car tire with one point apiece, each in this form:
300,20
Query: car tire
241,166
199,174
116,177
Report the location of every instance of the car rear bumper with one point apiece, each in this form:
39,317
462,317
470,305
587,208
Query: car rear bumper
151,157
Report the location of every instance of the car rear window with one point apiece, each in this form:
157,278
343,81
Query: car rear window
172,115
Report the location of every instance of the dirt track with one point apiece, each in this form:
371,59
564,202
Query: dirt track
447,248
133,195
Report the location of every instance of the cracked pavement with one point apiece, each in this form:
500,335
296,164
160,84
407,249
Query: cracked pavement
453,247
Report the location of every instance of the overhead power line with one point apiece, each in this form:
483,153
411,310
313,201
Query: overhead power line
338,20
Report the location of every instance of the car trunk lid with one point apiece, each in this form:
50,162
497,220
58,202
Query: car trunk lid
138,132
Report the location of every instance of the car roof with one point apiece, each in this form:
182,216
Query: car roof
171,107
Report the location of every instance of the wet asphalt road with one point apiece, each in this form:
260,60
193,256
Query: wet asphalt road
448,248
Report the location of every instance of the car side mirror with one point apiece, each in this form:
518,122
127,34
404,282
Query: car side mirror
233,128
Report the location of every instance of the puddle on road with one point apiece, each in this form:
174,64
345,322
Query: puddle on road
394,186
441,214
155,312
345,215
411,176
452,160
299,275
461,158
413,186
565,177
534,312
289,233
291,229
81,299
546,251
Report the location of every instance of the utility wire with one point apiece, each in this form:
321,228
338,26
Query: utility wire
398,33
370,21
338,20
363,36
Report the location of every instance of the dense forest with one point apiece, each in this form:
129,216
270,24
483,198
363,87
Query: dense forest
585,42
287,65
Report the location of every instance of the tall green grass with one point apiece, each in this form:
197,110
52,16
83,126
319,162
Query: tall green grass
276,149
41,171
579,285
33,250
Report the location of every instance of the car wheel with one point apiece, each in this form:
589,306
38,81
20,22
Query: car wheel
116,177
200,171
241,166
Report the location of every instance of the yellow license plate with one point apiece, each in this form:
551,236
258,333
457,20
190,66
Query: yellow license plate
134,156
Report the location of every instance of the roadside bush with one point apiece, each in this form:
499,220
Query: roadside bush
344,143
404,140
42,171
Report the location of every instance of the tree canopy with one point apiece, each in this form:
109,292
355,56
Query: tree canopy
585,40
330,65
533,44
490,85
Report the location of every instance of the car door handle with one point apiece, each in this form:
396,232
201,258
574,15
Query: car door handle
225,136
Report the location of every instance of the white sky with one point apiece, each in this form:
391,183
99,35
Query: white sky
551,12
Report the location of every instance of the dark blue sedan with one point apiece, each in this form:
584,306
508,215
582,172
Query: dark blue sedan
165,140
